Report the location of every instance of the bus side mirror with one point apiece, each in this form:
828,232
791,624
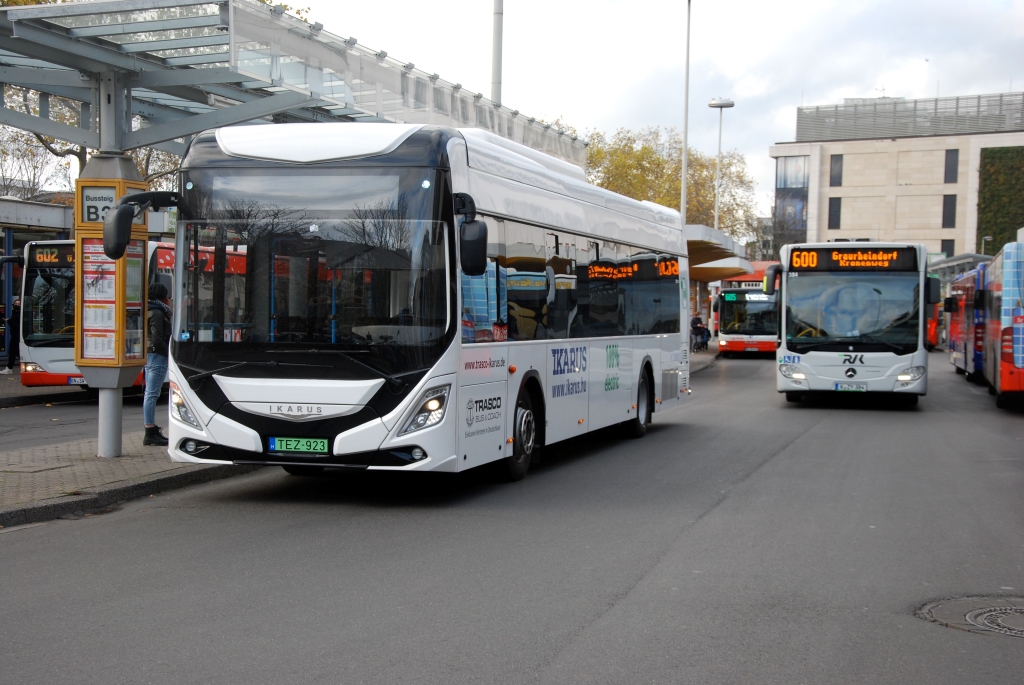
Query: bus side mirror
117,230
770,274
949,305
714,307
934,291
473,247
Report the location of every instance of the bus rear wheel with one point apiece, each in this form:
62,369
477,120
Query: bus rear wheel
303,470
637,426
524,440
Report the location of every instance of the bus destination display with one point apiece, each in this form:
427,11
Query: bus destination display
51,256
848,259
746,297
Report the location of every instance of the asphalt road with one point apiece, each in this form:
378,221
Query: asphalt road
37,425
744,540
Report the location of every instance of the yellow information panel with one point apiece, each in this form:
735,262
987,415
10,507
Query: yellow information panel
110,294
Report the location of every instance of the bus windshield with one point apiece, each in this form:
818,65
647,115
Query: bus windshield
858,311
745,315
328,260
48,307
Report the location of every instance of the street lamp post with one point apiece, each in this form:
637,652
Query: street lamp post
686,116
986,239
719,104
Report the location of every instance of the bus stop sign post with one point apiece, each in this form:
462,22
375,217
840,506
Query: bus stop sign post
110,301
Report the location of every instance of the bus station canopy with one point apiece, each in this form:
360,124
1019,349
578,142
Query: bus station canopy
184,66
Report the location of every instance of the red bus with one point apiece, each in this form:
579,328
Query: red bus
1004,325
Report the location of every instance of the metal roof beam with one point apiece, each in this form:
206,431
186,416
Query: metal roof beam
30,77
174,44
188,77
46,127
71,52
78,9
209,58
144,26
282,102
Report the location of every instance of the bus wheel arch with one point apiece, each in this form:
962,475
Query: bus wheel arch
527,430
532,385
636,427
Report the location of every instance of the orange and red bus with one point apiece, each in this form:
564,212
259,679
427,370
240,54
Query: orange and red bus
1004,325
966,340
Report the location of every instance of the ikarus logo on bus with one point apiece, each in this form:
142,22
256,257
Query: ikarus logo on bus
568,361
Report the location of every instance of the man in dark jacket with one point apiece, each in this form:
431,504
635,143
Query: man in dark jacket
14,328
159,322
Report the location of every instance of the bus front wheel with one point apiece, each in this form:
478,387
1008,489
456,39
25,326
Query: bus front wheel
637,426
524,439
793,397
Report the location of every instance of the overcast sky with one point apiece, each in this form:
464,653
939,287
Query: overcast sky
605,64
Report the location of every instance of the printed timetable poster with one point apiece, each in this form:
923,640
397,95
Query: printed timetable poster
134,316
99,292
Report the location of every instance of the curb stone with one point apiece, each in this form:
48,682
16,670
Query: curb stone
47,510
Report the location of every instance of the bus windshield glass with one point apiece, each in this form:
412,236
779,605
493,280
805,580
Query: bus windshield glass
748,314
335,260
48,306
858,311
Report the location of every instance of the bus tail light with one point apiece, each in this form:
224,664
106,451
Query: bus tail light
1006,346
979,337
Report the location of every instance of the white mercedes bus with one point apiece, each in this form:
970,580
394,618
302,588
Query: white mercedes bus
410,297
853,319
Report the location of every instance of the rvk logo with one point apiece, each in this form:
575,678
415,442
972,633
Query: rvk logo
568,360
852,358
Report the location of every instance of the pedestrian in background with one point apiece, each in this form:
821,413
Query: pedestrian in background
14,328
159,322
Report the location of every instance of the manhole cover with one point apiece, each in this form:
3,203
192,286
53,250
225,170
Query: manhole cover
987,615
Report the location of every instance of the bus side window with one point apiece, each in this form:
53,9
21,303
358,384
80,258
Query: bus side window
529,284
484,297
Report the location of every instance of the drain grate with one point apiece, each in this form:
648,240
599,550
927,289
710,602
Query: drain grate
980,614
1005,620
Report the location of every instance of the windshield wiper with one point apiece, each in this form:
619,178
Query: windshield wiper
238,365
394,380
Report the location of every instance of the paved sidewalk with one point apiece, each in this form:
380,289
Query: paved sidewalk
702,360
14,394
42,483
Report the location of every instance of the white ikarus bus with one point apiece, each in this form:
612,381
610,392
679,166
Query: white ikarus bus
409,297
853,319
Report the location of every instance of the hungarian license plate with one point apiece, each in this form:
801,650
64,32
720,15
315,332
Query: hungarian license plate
314,445
852,387
76,381
750,349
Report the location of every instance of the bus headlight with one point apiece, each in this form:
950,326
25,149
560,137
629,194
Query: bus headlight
791,371
179,407
912,374
29,367
432,405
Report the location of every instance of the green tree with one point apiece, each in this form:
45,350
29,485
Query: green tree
647,165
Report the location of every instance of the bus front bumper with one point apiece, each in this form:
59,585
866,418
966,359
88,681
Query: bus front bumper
822,384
